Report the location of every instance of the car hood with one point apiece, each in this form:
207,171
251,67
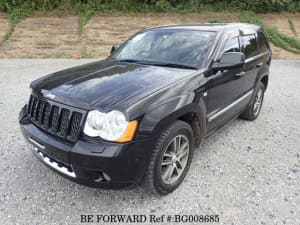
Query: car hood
106,84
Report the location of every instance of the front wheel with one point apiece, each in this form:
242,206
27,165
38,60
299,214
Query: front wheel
171,158
253,109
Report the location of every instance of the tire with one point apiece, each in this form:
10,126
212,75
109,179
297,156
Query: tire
166,171
253,109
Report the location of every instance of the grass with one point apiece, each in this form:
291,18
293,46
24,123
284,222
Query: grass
85,12
292,26
183,18
218,21
85,53
15,15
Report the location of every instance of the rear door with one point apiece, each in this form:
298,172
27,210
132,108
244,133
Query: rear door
264,52
253,61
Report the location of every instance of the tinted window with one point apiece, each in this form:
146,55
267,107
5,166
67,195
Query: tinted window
249,45
186,47
232,46
262,42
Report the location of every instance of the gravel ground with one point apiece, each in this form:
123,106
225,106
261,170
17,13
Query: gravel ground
248,172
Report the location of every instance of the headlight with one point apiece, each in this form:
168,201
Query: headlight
111,126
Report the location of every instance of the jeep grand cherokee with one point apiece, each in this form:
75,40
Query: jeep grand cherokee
137,116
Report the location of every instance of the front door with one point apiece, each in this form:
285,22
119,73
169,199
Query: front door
225,90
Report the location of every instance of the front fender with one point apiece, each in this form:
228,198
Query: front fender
161,108
155,121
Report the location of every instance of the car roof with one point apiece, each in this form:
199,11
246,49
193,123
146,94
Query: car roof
215,27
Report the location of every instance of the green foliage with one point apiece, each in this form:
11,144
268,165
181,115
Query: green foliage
17,14
184,6
14,17
85,12
7,35
250,17
84,52
265,6
292,26
217,21
163,6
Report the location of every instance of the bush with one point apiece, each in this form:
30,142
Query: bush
163,6
258,6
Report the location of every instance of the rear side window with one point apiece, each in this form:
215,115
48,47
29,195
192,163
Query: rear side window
249,45
233,45
262,42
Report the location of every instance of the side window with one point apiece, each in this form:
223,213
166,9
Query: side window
249,45
262,42
233,45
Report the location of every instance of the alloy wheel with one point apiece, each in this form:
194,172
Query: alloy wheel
258,102
174,159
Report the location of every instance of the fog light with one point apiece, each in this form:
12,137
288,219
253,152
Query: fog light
103,177
106,177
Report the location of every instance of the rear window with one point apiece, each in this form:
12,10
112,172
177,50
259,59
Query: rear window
249,45
262,42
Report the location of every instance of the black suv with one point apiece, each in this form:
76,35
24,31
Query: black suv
137,116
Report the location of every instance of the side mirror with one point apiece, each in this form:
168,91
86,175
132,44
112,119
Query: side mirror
113,49
230,60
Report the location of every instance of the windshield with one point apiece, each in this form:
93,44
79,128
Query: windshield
167,46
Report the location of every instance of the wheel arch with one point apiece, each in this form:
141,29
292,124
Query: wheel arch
192,113
265,80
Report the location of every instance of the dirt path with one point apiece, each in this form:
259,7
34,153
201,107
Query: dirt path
57,37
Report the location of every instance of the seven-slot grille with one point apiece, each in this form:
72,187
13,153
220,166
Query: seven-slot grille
64,122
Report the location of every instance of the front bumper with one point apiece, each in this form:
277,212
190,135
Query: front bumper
97,164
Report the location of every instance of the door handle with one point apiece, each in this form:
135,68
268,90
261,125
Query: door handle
240,74
259,65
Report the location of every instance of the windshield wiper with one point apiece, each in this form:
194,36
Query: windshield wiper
175,65
129,60
180,66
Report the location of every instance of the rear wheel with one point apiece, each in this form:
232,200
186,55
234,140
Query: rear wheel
171,158
253,110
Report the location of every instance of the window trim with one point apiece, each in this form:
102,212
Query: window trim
238,38
266,39
243,47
